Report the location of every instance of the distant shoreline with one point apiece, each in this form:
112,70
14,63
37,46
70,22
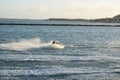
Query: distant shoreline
115,19
111,22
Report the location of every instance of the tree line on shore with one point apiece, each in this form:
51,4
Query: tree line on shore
115,19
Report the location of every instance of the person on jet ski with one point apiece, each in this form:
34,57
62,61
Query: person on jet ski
53,42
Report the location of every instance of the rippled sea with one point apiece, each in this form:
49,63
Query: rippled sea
90,53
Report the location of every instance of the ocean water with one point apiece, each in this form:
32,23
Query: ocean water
90,53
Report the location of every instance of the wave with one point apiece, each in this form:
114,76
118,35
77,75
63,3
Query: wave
24,44
54,70
19,57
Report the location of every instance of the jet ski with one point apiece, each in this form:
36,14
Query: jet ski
56,44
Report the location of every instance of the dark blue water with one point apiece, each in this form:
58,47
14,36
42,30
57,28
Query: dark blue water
90,53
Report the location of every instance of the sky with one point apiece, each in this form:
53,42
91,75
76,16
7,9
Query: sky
72,9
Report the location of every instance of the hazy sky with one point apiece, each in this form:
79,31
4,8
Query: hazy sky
42,9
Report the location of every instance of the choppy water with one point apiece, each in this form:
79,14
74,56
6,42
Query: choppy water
90,53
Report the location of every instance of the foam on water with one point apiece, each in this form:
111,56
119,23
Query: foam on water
114,44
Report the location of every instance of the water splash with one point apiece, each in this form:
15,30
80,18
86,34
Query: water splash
24,44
